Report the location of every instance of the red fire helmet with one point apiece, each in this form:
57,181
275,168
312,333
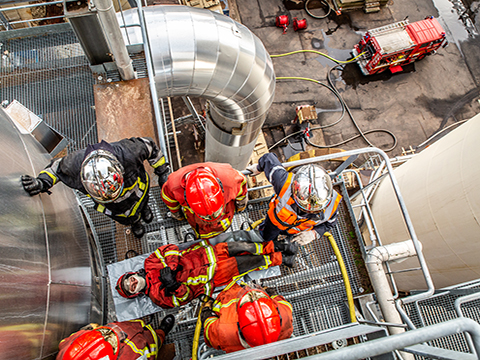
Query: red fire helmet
258,318
204,194
90,346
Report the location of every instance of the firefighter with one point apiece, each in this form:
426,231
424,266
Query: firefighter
243,317
173,278
207,195
125,340
305,203
113,175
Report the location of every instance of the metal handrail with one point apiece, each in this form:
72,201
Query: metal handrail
401,341
26,6
408,222
30,6
458,308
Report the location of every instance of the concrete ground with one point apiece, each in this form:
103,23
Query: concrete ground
413,105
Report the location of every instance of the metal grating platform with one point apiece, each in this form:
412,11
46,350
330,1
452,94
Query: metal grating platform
442,307
314,287
47,71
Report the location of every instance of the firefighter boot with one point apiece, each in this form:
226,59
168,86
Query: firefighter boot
238,247
147,214
167,324
138,230
288,248
289,260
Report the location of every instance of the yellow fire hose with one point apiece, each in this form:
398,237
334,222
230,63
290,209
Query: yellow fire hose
196,335
346,281
343,269
198,329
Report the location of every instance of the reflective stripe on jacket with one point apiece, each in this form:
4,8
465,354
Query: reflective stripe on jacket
140,342
283,215
234,185
196,264
221,332
131,153
136,192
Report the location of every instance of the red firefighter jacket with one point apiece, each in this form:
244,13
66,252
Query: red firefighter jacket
201,267
222,332
139,340
234,185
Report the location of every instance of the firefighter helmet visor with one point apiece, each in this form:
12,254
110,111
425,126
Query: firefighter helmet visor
312,188
102,176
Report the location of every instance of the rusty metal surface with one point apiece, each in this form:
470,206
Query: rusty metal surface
116,117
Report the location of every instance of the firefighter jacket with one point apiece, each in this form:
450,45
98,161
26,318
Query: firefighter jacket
234,185
140,341
283,211
221,332
131,153
201,267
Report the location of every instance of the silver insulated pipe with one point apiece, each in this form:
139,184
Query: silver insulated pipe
200,53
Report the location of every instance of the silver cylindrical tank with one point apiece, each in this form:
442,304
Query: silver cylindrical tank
441,190
45,274
200,53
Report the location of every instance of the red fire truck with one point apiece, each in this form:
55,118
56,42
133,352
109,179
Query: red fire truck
398,44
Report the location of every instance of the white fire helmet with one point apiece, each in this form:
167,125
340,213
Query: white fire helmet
312,188
102,176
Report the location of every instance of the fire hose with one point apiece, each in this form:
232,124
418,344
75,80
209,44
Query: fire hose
346,280
198,327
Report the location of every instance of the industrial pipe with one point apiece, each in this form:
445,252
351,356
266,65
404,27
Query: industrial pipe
108,19
391,343
374,263
201,53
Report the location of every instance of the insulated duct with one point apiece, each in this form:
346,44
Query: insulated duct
47,283
440,189
200,53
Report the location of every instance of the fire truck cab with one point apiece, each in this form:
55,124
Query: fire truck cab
398,44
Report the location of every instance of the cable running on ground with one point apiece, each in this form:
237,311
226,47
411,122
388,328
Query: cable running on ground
333,89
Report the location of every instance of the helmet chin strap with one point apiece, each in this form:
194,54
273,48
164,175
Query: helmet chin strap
240,337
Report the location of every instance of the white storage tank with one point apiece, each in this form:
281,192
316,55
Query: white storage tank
441,189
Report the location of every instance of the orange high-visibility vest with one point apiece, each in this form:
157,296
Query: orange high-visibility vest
283,216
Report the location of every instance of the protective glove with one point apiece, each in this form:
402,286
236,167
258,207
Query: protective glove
33,186
240,205
178,215
270,291
305,237
90,326
207,312
167,277
162,172
253,170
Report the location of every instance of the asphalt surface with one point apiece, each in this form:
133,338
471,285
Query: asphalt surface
430,95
